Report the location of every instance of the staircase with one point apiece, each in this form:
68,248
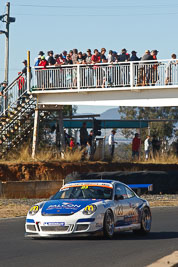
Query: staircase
16,120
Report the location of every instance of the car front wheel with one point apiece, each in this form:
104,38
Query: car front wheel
108,224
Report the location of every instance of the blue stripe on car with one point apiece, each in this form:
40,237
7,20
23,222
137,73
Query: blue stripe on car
30,221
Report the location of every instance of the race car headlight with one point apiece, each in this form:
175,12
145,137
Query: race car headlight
34,210
90,209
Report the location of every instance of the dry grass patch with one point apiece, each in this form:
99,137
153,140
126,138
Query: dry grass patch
44,154
13,210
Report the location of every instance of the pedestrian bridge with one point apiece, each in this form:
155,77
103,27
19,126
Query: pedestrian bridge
143,83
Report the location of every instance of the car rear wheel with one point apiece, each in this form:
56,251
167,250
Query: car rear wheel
145,222
108,224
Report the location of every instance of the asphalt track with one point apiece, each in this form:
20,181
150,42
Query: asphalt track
126,249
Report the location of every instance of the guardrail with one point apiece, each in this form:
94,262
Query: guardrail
102,75
12,93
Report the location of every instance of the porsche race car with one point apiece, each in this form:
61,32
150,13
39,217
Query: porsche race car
89,206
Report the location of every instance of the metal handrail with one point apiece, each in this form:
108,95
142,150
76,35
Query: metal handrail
107,75
16,97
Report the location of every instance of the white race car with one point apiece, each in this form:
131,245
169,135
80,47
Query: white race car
89,206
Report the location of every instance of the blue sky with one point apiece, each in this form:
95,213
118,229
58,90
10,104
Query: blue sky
115,24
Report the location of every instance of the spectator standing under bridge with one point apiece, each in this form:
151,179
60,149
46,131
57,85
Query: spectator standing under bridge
136,142
91,145
147,145
112,143
83,135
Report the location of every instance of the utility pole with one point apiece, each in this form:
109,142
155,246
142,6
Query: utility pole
6,76
7,19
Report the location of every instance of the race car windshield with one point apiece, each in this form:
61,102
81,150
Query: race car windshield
84,192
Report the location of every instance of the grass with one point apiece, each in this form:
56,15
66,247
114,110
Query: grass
49,154
44,154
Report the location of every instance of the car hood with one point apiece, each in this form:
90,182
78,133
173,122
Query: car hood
66,206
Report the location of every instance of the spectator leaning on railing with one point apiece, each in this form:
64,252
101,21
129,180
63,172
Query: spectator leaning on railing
2,88
111,74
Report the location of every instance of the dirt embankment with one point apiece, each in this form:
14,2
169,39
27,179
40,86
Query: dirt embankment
58,171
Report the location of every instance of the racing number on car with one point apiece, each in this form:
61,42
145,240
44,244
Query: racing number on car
119,210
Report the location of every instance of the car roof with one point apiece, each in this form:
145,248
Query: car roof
93,181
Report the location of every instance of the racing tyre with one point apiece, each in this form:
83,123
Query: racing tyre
145,222
108,224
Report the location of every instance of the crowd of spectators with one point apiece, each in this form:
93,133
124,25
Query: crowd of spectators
78,57
145,74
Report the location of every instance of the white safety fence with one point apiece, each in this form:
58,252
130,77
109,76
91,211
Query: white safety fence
12,94
127,74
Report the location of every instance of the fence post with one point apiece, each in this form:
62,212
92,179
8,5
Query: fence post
131,74
78,77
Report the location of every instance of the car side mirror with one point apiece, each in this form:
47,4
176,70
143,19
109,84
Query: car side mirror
118,197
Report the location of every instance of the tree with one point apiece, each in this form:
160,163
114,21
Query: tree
162,130
69,110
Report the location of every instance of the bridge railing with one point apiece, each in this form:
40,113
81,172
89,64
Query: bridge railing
107,75
12,93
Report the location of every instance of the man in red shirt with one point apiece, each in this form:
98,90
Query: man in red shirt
97,70
42,74
136,146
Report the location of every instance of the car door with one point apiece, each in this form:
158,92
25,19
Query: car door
122,206
134,203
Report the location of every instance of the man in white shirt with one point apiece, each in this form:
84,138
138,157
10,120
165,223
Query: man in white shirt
147,144
112,143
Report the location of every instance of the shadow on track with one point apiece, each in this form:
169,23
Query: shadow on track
117,236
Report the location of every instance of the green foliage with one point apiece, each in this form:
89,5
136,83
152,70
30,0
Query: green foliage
160,129
69,110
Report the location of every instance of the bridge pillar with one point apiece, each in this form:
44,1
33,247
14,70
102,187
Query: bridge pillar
35,132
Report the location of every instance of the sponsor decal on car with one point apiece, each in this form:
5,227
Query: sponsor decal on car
35,208
63,205
54,223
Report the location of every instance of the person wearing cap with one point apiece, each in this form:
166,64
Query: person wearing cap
123,70
96,59
64,54
104,70
171,68
24,70
91,145
41,53
3,102
88,69
80,58
51,60
42,77
74,71
134,56
144,69
124,56
83,135
89,55
38,61
112,143
154,69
